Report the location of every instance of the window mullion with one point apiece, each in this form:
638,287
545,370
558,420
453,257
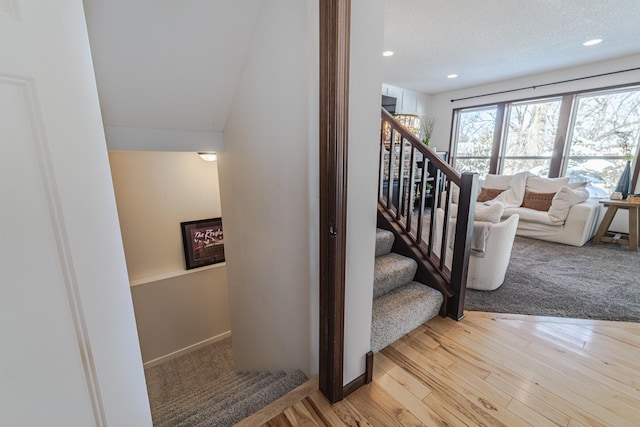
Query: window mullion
498,136
564,118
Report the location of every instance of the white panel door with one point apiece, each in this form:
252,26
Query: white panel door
69,351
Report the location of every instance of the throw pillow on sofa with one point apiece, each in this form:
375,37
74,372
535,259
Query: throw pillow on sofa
497,182
563,200
488,194
537,201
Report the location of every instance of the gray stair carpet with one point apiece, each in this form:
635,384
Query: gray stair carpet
384,242
399,304
401,311
390,271
202,389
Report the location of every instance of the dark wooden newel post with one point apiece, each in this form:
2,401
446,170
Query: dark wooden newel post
334,112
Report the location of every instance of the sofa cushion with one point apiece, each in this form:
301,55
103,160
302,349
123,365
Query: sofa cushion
488,194
530,215
498,182
564,199
511,197
538,184
537,201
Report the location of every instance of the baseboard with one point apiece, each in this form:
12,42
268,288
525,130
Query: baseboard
363,379
186,350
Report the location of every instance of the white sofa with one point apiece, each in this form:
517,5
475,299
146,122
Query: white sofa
571,218
576,230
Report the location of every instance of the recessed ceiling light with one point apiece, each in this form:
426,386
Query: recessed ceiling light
452,76
592,42
387,53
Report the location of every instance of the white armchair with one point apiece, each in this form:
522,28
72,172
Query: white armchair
487,270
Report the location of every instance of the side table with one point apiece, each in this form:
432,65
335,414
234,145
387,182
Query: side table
604,235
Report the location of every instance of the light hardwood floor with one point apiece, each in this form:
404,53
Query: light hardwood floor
487,370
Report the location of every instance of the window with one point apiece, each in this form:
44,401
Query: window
604,136
531,133
588,136
475,134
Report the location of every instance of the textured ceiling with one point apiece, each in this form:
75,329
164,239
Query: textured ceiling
485,41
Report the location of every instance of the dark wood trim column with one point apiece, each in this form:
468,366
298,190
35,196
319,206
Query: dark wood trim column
335,17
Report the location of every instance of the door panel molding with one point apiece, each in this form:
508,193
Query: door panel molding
36,131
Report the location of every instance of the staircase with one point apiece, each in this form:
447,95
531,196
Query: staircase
227,400
399,304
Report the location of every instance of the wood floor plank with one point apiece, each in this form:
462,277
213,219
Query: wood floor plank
299,416
380,408
458,370
411,383
279,420
492,370
585,376
320,406
578,390
459,393
529,415
598,343
532,396
410,401
350,415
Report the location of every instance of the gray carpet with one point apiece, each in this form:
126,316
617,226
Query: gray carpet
550,279
202,389
399,304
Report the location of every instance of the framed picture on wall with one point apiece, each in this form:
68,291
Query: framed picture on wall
203,242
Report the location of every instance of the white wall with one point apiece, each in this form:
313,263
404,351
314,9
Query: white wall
266,170
367,21
179,314
176,309
155,192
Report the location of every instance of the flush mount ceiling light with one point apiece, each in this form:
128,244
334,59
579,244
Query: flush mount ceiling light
208,156
387,53
592,42
452,76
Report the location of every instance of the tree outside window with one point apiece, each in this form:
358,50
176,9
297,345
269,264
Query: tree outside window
601,137
474,140
604,137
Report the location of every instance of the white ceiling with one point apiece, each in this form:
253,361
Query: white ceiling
168,64
484,41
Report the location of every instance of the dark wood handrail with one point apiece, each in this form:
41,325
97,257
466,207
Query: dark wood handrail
396,211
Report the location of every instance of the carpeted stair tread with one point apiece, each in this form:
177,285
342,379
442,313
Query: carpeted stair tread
384,241
252,403
400,311
216,401
219,390
218,387
390,271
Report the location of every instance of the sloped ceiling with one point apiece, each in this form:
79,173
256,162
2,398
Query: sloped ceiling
485,41
168,64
